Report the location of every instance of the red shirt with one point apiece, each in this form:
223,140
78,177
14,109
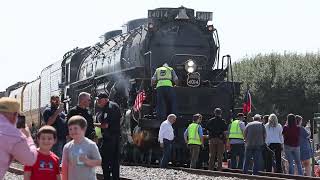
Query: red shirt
291,135
46,167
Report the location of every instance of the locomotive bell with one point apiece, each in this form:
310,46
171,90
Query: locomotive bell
182,14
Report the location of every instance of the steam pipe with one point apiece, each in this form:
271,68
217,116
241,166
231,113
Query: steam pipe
150,60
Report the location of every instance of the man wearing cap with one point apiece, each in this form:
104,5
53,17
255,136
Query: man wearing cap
15,144
254,135
163,78
110,116
81,109
236,140
54,116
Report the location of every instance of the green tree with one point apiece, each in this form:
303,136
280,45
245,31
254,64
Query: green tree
281,83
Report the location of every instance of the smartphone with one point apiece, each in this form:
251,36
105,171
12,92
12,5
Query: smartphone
21,123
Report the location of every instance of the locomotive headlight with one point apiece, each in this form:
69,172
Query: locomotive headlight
190,66
190,69
190,63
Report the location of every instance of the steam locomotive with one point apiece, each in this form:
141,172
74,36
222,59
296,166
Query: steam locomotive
122,65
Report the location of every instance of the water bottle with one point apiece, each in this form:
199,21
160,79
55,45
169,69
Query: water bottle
80,152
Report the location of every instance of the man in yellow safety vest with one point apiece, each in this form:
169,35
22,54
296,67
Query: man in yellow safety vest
164,78
236,130
193,136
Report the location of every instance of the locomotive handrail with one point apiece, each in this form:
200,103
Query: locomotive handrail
115,72
150,60
229,68
216,37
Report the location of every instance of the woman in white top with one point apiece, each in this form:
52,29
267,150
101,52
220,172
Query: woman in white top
274,140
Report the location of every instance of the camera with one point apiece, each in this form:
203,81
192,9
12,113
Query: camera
21,122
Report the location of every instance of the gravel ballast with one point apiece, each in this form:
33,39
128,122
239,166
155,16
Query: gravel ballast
11,176
143,173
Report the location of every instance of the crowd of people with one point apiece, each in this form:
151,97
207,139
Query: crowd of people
257,142
65,140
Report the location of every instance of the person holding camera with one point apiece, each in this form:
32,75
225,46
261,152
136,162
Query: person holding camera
55,117
15,143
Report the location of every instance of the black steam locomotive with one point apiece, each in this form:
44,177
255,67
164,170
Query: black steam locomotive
124,61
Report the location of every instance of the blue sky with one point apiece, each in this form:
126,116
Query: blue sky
36,33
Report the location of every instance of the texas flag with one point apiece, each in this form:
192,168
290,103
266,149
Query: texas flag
247,103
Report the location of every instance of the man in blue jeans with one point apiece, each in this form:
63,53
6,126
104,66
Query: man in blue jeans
166,136
165,78
254,136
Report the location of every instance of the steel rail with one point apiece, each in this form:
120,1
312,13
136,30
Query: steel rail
232,173
19,171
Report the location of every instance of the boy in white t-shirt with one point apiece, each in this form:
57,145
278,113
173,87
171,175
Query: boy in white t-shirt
81,155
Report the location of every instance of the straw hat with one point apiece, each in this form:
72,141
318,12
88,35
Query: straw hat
10,105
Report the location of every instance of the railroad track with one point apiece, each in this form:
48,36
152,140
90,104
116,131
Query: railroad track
19,171
225,173
233,173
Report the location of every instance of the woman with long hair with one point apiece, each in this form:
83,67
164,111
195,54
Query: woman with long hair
274,140
291,133
306,152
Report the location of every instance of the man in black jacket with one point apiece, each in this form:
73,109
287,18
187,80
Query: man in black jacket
81,109
217,128
109,119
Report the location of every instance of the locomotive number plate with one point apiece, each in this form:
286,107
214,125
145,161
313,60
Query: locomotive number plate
193,79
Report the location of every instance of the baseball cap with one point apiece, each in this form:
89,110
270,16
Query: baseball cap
103,95
10,105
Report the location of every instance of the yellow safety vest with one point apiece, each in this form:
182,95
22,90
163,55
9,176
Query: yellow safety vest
164,76
193,135
235,130
98,132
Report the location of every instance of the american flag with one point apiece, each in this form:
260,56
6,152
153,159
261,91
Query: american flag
141,96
